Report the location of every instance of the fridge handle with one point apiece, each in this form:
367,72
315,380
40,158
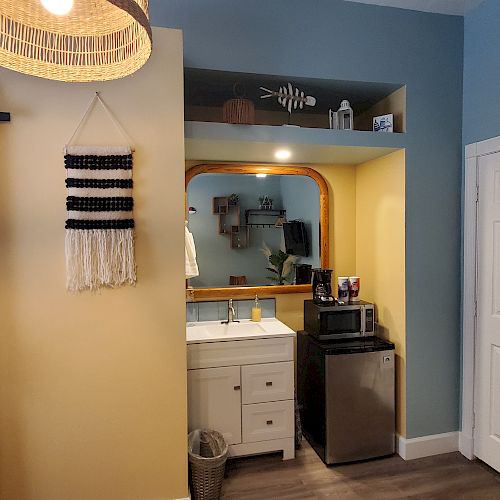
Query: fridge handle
362,311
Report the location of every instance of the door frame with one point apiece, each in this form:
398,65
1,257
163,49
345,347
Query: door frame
473,152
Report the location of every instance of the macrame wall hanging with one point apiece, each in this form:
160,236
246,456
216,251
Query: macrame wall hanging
100,223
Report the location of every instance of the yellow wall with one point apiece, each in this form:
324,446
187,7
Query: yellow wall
93,386
367,238
380,254
341,180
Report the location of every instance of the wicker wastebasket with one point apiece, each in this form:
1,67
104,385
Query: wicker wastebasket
207,451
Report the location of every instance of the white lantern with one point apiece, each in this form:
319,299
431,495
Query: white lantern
345,116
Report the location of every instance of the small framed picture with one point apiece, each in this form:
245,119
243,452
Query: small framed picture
383,123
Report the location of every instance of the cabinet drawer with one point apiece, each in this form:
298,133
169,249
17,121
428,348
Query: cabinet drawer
239,352
265,421
267,382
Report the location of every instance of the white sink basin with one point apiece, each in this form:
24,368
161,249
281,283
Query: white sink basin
214,331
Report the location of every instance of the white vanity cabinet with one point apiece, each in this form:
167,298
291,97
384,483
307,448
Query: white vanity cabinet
245,390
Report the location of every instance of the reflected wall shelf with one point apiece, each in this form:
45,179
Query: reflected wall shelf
240,236
230,221
259,212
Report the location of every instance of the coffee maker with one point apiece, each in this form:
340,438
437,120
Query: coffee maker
322,286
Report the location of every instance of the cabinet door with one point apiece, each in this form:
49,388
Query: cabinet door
214,401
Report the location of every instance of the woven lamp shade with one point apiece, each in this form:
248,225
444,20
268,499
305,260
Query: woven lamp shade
97,40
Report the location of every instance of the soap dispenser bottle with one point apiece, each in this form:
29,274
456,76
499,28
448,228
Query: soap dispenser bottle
256,310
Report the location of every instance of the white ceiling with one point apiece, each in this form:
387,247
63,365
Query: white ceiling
454,7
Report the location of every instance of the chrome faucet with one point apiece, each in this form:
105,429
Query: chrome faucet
231,314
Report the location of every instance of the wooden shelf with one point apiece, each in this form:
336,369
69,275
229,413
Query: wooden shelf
239,237
260,212
206,91
220,205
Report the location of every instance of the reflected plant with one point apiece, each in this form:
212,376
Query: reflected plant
281,265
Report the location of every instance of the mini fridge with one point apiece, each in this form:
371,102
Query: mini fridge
346,396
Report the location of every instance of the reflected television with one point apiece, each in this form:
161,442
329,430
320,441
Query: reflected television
296,241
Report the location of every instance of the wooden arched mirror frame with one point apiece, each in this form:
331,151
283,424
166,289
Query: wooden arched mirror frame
266,290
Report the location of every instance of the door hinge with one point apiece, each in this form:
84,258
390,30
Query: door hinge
475,308
477,193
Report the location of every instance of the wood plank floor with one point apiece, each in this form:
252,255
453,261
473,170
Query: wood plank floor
449,476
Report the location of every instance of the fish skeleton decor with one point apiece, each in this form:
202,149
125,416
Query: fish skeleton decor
288,98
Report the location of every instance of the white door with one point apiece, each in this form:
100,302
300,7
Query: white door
214,401
487,380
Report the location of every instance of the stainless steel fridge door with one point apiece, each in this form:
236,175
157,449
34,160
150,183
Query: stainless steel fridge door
360,420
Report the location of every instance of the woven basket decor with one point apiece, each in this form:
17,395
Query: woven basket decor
97,40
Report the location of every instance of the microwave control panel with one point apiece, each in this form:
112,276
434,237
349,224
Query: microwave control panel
370,320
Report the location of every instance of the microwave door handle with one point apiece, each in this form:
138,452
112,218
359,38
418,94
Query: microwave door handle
363,320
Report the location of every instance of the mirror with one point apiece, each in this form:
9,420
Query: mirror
257,229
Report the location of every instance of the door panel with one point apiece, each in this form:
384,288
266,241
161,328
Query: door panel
496,269
487,379
214,401
495,392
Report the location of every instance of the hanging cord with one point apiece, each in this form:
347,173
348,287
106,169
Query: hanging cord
97,99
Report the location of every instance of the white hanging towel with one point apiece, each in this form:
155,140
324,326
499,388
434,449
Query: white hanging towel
191,264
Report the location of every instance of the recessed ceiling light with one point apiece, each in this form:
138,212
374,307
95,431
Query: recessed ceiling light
282,154
261,176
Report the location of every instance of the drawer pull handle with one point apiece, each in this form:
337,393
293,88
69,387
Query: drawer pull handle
269,384
237,387
269,422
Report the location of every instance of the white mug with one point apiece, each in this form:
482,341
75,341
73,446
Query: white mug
354,285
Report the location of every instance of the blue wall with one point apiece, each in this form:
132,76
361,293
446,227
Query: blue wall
351,41
482,73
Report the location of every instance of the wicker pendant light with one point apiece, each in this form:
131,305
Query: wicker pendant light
96,40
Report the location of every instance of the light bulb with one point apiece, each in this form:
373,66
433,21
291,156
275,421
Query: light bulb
261,176
282,154
58,7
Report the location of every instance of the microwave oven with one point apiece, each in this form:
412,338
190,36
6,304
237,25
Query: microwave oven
339,321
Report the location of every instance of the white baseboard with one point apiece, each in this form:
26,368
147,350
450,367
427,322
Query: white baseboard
466,445
426,446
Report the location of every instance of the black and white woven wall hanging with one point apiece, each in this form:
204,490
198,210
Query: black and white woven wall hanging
100,223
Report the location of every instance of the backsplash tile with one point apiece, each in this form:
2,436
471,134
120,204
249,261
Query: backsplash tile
222,305
217,311
245,309
208,311
268,308
191,312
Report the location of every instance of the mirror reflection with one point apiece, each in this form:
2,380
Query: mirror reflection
254,229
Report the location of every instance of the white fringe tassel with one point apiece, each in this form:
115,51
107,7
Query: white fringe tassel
99,258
